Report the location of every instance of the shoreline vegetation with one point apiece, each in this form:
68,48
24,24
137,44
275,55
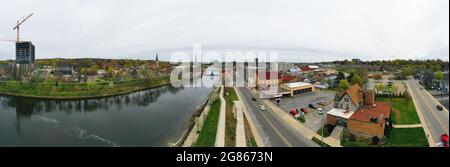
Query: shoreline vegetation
75,91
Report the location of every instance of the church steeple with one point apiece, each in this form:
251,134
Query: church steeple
156,57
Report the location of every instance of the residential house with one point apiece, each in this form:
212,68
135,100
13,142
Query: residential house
357,110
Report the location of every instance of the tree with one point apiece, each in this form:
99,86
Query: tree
83,71
356,80
340,76
110,72
439,75
94,68
379,87
343,84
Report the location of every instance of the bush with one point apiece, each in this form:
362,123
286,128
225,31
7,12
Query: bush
301,119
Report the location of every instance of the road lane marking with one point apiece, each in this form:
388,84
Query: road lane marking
431,110
273,127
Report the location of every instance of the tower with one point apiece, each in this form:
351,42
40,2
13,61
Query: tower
25,57
157,61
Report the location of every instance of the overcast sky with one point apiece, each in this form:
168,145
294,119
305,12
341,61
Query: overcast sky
300,30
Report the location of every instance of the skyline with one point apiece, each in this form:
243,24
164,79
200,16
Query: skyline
299,31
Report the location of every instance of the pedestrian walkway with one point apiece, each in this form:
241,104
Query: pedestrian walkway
337,132
408,126
240,129
220,137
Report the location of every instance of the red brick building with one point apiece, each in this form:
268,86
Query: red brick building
360,113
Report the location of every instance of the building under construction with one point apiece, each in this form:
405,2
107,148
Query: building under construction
25,57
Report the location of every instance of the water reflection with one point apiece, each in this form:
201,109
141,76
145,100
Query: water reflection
25,107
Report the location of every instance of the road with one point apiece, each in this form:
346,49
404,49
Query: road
434,120
274,131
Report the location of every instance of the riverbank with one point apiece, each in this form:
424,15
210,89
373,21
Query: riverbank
76,91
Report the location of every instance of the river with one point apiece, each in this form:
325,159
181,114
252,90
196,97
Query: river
154,117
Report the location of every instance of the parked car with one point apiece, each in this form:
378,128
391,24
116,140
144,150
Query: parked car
294,112
320,111
439,107
304,110
321,103
254,99
262,108
313,106
444,139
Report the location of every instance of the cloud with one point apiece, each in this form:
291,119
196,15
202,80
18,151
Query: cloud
300,30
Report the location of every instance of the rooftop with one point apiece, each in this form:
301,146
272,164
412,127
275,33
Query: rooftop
341,113
380,110
298,84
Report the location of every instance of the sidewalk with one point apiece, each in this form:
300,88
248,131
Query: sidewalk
408,126
241,140
220,137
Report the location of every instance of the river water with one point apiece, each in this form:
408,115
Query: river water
154,117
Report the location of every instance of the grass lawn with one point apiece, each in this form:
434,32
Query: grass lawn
207,136
408,114
399,137
319,142
232,94
410,137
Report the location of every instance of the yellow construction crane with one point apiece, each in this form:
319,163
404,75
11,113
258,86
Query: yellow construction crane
17,27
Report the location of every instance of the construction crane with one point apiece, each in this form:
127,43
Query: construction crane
7,40
17,27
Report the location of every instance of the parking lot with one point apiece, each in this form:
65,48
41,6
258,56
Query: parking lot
314,121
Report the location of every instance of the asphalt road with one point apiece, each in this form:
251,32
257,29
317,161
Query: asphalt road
274,132
435,120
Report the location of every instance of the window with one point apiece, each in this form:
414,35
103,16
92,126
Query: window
346,99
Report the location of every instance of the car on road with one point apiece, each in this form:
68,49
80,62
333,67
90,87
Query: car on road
444,139
439,107
262,108
320,111
304,110
294,112
254,99
322,103
313,106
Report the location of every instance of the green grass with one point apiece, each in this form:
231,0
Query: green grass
252,142
408,114
399,137
408,137
232,94
320,143
79,90
207,136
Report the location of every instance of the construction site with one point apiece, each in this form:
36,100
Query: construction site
23,65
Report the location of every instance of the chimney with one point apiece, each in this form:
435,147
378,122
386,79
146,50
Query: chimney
369,98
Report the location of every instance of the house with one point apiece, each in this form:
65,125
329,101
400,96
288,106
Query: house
298,88
357,110
63,69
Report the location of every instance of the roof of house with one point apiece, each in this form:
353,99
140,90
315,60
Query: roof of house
355,93
298,84
379,110
340,113
305,68
288,78
313,66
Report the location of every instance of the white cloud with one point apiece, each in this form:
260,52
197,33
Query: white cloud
300,30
